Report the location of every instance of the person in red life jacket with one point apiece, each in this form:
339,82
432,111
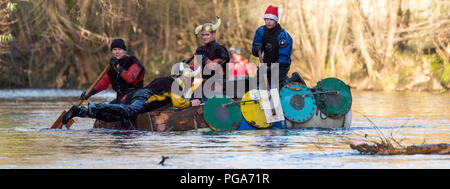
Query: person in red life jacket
240,67
125,76
156,95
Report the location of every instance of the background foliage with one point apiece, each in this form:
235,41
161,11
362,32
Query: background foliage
375,45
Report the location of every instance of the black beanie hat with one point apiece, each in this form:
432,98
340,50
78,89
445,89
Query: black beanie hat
118,43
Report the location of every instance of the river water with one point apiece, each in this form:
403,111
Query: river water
410,117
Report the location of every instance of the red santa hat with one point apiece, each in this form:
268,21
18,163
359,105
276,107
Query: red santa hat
271,12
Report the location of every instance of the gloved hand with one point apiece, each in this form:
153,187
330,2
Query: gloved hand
114,62
85,97
256,49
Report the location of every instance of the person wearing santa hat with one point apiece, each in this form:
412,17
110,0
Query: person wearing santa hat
276,45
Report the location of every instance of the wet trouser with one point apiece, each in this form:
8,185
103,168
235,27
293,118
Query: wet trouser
284,79
117,112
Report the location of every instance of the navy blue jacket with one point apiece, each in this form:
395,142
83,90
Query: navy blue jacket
284,51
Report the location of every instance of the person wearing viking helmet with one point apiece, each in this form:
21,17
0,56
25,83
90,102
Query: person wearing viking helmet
214,55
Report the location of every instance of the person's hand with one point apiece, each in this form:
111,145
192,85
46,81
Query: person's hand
257,47
114,62
195,102
214,66
211,64
83,95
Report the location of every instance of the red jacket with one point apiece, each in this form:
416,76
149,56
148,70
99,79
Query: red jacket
131,78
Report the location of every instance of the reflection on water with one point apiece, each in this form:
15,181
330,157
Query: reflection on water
409,117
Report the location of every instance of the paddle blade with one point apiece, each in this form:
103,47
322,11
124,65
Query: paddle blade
58,123
69,123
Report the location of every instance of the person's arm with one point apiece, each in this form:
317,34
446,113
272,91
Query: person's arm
199,55
103,84
215,64
178,101
224,56
285,48
257,41
131,75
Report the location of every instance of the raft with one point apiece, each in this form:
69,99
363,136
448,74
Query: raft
339,121
192,119
328,105
162,121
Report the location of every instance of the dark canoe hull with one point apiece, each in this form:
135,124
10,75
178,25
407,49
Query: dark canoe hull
192,119
162,121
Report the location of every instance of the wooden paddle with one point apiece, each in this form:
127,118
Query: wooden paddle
267,85
58,123
260,57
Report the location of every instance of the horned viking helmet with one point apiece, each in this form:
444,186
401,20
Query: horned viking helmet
208,27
